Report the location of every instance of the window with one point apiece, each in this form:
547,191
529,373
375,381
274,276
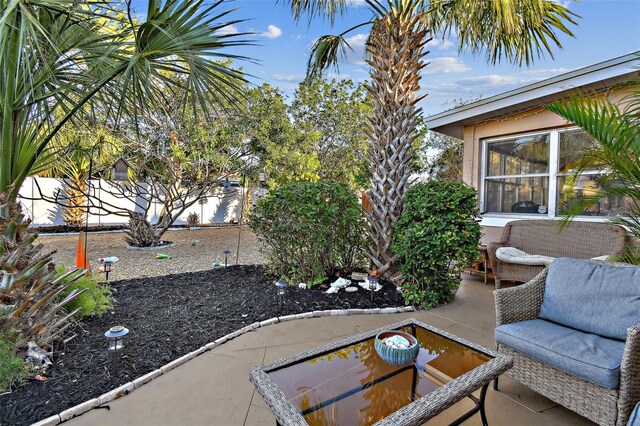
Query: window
517,175
571,189
531,174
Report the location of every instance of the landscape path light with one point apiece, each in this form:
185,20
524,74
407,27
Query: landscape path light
226,257
115,338
373,284
281,285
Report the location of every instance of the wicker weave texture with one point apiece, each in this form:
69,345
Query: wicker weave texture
578,240
604,406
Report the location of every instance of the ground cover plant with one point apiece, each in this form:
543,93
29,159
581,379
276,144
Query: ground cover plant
312,230
436,236
95,298
168,316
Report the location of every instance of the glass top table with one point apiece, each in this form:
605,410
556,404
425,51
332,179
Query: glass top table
347,383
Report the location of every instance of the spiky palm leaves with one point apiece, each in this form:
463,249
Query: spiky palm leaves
617,153
57,57
395,50
30,306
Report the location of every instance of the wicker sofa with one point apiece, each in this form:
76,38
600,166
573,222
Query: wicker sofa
579,240
574,334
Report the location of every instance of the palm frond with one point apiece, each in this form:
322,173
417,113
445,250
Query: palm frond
616,154
313,8
519,30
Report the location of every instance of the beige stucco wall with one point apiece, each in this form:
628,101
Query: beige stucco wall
530,121
534,120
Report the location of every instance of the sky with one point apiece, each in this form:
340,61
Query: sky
606,29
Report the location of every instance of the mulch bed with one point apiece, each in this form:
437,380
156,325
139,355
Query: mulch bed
168,317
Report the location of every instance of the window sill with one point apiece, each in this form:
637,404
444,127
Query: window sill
500,220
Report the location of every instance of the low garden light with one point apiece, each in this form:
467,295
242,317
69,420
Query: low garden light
226,257
373,284
282,290
115,338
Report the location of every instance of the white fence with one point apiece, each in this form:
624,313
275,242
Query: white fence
221,207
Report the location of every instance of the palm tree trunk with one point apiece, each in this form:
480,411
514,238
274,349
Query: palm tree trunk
395,51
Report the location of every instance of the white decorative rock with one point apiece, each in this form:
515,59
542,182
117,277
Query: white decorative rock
302,285
220,340
79,409
147,378
287,318
115,393
269,321
177,362
49,421
359,276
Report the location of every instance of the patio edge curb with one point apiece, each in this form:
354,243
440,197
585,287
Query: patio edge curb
137,383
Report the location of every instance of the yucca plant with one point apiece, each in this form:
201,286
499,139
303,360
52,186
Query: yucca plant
517,30
616,130
30,306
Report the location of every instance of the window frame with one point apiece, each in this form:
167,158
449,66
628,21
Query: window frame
553,174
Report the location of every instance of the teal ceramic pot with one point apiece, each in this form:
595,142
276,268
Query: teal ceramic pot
396,356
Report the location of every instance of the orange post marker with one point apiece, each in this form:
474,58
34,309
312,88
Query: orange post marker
81,260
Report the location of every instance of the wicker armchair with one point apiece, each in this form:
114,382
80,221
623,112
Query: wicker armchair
600,404
578,240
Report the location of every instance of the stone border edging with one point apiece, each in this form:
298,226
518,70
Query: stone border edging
129,387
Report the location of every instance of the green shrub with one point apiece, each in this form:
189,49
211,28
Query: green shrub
95,300
12,369
311,229
435,237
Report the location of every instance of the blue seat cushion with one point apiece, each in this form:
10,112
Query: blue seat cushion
598,299
588,356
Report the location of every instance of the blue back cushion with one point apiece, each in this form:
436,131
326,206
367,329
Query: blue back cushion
597,299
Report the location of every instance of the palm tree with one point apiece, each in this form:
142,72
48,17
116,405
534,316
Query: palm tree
517,30
616,129
57,58
65,60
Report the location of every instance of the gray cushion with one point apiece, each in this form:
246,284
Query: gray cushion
590,357
598,299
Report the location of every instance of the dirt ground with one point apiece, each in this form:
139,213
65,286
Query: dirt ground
195,250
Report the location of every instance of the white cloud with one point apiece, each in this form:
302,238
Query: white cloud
357,43
548,71
445,65
288,77
441,44
495,80
229,29
272,32
357,3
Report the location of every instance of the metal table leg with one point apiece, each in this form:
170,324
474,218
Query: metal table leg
479,407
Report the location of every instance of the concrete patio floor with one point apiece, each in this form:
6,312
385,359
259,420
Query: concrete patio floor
214,389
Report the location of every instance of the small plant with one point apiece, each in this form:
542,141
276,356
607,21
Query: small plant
436,236
193,219
12,369
94,298
312,230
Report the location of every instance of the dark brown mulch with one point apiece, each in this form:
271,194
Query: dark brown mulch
168,317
